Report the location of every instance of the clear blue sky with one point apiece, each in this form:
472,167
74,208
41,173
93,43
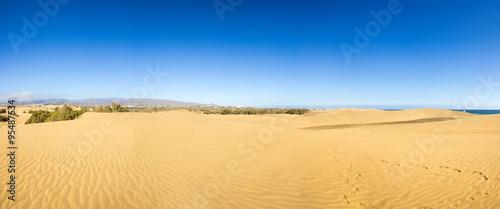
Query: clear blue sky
264,52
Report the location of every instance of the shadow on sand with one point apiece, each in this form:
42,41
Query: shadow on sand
341,126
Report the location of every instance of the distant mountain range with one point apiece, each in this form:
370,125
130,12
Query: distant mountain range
107,101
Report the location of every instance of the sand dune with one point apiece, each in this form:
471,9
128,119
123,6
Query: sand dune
180,159
363,116
341,126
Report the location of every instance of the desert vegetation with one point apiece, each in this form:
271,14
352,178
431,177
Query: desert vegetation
3,118
260,111
67,113
64,113
226,110
113,108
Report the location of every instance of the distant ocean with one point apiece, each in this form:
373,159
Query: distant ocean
477,112
482,112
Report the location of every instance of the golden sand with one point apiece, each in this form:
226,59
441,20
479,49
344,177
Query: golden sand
344,158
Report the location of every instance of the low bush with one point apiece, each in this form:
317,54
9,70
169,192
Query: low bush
114,108
65,113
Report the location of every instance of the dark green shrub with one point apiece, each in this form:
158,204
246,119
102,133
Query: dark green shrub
297,111
225,112
64,113
114,108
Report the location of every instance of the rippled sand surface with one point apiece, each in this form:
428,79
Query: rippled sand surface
344,158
